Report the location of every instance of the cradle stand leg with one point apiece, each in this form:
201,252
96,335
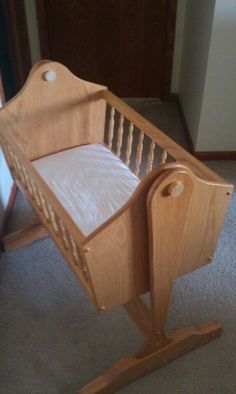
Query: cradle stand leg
133,367
33,230
173,209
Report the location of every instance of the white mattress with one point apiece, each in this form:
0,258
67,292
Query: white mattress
90,182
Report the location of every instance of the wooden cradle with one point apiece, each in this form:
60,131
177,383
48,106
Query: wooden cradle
168,227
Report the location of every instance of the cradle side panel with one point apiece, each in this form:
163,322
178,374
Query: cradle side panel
184,229
117,261
50,116
118,252
58,223
185,215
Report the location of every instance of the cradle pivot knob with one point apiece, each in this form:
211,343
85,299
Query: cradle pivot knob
175,189
49,76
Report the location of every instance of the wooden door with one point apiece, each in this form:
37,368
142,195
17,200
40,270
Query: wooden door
124,44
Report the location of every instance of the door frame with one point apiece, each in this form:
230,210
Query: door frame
17,41
16,64
169,42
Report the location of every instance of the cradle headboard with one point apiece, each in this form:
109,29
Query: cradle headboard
55,110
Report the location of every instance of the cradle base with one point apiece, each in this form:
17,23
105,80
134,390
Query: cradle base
31,231
130,367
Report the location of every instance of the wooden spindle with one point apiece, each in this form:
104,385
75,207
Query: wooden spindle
53,219
29,186
20,171
120,135
36,195
15,165
74,250
63,234
150,157
164,156
139,153
111,127
129,144
44,206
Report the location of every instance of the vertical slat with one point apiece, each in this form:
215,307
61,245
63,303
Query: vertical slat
111,127
139,153
16,165
74,250
44,206
164,156
150,157
120,135
63,234
20,171
28,184
36,195
129,143
53,219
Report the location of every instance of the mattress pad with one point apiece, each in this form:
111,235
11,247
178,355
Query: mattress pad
90,182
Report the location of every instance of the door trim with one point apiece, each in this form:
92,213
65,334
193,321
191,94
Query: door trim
18,41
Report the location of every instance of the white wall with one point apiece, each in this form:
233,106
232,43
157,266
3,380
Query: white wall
207,78
217,126
5,182
5,185
196,41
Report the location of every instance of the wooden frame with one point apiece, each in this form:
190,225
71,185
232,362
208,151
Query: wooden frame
168,227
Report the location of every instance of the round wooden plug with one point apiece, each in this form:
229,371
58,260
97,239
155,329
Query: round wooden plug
175,189
49,76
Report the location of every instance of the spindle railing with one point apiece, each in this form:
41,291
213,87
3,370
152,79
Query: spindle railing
65,234
129,143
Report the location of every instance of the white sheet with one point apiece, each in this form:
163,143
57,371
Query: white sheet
90,182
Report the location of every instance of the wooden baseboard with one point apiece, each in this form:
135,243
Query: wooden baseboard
201,155
221,155
8,210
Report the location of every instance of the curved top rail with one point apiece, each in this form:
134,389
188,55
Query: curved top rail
63,109
60,75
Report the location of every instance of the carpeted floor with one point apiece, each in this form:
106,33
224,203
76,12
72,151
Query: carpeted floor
53,342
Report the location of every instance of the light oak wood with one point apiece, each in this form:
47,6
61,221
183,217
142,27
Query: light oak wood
168,227
120,135
33,230
129,143
65,112
141,315
150,156
161,139
111,128
164,156
37,184
175,189
131,367
139,153
177,228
